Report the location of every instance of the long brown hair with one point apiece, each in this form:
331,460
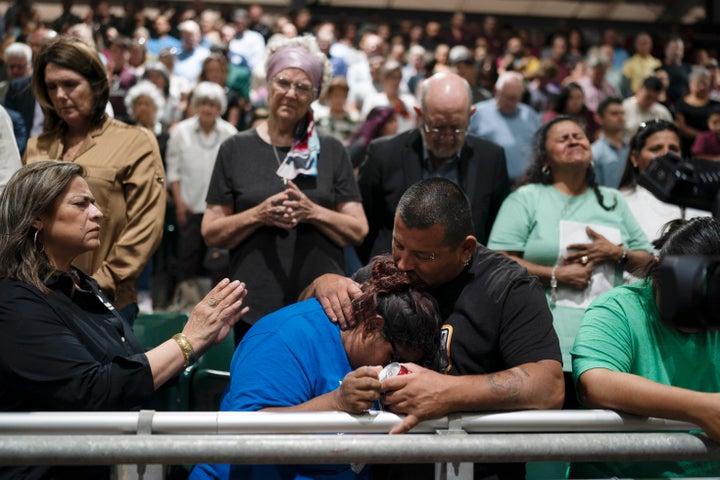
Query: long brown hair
31,192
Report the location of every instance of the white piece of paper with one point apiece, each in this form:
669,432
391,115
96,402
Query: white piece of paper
603,276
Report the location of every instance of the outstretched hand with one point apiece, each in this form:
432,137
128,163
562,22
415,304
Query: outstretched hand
216,314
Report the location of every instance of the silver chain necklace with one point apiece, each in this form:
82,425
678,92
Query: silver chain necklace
277,157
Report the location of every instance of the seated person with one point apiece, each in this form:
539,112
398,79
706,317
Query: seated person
63,345
296,359
626,359
707,143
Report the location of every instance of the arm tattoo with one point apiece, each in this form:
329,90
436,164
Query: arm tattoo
507,384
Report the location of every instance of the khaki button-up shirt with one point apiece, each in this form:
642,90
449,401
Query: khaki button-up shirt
124,170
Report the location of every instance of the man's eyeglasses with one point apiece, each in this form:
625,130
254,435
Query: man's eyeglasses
444,131
301,89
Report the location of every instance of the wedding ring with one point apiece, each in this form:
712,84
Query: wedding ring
584,260
212,302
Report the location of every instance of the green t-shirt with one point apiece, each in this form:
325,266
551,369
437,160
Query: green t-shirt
529,222
622,332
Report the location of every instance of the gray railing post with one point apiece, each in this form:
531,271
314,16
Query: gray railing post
454,470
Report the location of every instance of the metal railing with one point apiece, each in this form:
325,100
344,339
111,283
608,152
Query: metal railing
84,438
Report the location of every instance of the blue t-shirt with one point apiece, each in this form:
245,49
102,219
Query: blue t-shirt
287,358
513,132
609,162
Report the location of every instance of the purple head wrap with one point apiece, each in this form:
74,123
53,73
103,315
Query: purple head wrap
296,57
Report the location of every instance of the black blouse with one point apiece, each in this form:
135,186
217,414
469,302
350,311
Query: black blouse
68,350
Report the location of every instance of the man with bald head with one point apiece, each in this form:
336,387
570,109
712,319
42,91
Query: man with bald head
440,147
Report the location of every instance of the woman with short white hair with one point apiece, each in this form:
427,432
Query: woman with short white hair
144,103
190,159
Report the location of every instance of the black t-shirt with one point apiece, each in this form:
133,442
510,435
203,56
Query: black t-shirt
277,264
495,317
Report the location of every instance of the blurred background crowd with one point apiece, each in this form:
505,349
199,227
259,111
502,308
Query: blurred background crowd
610,80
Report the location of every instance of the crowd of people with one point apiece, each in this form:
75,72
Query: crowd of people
463,198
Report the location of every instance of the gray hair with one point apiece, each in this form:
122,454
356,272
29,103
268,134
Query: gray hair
144,88
508,76
209,92
18,49
309,43
698,72
190,26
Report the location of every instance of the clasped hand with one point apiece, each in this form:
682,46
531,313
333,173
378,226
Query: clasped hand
582,257
287,208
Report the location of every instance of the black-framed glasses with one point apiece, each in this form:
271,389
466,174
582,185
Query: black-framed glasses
284,85
444,131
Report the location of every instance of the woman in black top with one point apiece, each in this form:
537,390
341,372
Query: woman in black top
63,346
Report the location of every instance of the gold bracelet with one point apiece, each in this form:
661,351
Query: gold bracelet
186,347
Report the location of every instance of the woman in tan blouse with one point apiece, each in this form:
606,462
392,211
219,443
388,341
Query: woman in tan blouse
123,164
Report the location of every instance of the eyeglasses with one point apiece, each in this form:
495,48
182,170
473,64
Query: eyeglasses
284,85
444,131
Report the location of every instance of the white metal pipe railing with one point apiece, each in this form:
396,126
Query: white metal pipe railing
352,448
328,422
147,437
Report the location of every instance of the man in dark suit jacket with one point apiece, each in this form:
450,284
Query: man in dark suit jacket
439,147
20,98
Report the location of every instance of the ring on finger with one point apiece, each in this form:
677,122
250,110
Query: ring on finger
584,260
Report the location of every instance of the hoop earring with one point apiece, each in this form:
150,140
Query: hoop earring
38,246
545,170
